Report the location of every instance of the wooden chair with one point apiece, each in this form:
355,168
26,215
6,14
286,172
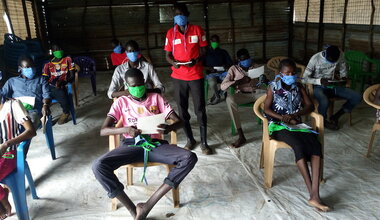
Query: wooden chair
114,142
269,146
274,63
368,96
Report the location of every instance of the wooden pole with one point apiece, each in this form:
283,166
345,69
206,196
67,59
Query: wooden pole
84,35
264,31
344,25
291,28
306,31
205,16
146,29
232,26
5,6
371,27
112,21
252,13
27,26
321,25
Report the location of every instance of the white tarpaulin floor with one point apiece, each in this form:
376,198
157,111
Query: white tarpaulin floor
227,185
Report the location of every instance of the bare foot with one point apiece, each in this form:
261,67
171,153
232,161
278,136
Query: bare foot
238,142
317,203
140,212
5,203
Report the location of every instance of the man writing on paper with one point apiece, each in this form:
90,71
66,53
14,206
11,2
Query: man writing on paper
131,108
32,90
321,72
246,90
216,63
185,47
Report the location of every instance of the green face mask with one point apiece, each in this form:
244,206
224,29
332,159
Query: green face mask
214,45
58,54
137,91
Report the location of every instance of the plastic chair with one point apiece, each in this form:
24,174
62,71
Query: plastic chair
16,182
114,142
368,96
274,63
49,136
71,103
87,69
269,146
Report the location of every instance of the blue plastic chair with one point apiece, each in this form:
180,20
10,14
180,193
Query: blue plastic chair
71,103
16,182
49,136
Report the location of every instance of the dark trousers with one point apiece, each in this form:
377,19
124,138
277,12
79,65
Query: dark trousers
182,89
104,166
61,96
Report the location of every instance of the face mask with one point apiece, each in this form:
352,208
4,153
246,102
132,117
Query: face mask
117,49
246,63
214,45
133,56
288,80
181,20
28,72
137,91
58,54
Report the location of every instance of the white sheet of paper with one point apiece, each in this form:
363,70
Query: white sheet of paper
298,126
184,63
27,99
256,72
148,125
219,68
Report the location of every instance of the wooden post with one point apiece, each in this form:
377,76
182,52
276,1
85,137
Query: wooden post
252,13
371,27
146,29
264,31
232,26
321,25
111,21
306,32
26,19
83,24
5,6
205,13
291,28
344,25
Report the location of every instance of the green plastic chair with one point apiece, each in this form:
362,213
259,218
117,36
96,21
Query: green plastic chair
232,91
355,61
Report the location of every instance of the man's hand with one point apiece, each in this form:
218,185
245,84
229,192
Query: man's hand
293,122
286,118
175,64
133,131
3,148
325,82
164,128
46,109
193,62
210,69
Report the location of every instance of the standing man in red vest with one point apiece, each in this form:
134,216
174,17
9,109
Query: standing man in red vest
185,46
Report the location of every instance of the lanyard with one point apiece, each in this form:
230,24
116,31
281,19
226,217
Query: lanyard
183,38
146,142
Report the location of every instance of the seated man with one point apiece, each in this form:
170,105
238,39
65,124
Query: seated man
322,71
118,83
216,63
60,71
132,107
33,90
246,90
118,55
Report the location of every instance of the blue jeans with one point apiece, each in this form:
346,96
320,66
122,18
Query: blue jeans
322,94
219,76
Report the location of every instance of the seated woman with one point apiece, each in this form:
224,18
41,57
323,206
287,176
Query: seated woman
132,107
286,102
12,115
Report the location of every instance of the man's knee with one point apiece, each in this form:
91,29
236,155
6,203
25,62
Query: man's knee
212,81
98,166
190,159
355,98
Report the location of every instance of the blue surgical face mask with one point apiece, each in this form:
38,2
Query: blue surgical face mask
133,56
29,72
246,63
288,80
181,20
117,49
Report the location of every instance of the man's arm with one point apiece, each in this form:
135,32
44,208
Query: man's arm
108,128
46,97
116,84
170,58
154,77
342,69
177,124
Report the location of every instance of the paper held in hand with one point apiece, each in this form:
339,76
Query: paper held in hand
27,100
256,72
297,126
183,63
148,125
219,68
336,80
